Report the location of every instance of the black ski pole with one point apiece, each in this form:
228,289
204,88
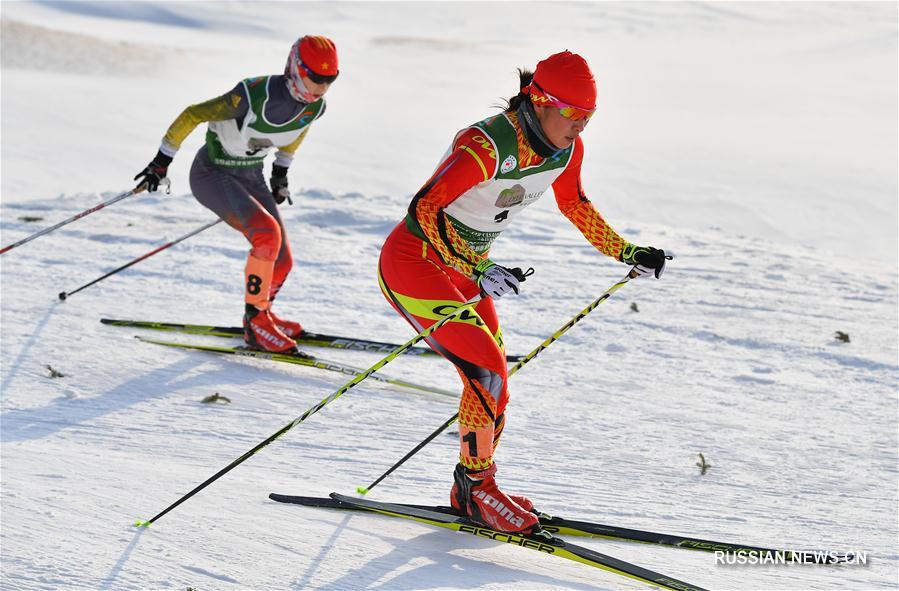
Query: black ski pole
64,295
549,341
138,189
337,394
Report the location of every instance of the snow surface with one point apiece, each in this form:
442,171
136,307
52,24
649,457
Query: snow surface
757,142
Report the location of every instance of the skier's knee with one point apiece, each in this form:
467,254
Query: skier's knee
266,242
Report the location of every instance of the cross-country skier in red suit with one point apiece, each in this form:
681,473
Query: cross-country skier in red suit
254,118
437,258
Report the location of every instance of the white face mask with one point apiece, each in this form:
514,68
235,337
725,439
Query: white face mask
293,71
301,81
297,89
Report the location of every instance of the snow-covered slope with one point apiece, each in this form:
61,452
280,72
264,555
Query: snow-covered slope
757,142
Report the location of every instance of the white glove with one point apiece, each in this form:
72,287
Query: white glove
495,281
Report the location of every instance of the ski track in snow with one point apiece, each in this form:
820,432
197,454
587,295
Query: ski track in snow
731,355
795,424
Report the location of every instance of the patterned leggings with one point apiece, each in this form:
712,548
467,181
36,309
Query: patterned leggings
420,286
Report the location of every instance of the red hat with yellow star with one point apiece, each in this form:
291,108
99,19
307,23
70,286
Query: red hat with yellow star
319,54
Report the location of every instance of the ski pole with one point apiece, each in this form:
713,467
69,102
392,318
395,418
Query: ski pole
138,189
549,341
314,409
64,295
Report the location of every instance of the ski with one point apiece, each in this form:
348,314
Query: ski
301,359
309,339
545,542
572,527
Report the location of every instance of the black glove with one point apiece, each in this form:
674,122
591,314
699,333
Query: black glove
157,170
645,258
278,183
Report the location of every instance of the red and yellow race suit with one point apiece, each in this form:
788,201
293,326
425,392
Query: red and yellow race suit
426,267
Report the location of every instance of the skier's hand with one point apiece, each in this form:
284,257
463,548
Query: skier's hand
646,259
278,182
496,281
155,173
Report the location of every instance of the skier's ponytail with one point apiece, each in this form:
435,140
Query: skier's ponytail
524,78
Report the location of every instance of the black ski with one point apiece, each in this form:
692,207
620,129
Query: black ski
307,338
301,359
545,543
572,527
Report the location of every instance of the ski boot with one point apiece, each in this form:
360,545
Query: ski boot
288,327
260,332
458,502
476,495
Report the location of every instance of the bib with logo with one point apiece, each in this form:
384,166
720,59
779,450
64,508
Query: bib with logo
481,213
247,145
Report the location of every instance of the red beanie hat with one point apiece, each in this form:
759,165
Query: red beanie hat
319,54
567,77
